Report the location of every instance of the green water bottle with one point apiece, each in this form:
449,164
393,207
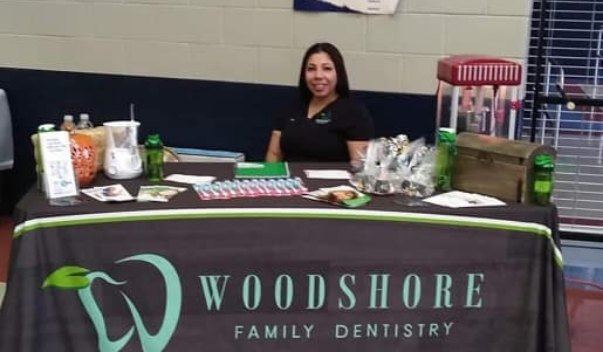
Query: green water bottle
154,158
446,152
543,179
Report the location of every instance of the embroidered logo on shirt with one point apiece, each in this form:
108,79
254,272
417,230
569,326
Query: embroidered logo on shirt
323,119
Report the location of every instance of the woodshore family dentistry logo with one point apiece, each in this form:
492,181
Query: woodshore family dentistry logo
351,290
81,279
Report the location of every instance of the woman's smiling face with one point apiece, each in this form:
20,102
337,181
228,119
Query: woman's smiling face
321,76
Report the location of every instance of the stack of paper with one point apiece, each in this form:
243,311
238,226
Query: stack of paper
328,174
458,199
190,179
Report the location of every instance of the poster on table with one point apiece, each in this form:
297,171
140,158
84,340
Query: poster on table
374,7
59,177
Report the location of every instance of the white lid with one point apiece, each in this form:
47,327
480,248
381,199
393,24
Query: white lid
84,117
46,127
448,129
68,118
122,123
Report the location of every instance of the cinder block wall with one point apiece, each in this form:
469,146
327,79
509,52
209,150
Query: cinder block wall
255,41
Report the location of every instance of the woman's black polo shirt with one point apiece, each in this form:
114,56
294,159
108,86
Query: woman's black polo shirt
324,136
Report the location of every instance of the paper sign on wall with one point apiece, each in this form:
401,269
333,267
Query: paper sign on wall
59,177
377,7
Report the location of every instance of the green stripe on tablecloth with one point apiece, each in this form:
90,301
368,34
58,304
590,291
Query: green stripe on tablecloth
289,213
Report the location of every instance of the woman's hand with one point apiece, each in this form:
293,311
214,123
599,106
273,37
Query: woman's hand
274,152
357,150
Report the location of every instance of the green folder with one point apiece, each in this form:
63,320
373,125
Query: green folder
261,170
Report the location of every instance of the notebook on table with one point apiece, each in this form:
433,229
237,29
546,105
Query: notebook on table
261,170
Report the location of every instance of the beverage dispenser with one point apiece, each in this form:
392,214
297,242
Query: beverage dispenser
478,94
122,158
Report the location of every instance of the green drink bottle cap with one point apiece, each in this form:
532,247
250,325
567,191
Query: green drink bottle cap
47,127
447,130
446,135
153,141
544,160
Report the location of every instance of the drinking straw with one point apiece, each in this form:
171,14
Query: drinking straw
132,112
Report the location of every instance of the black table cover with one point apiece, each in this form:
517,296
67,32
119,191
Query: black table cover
282,274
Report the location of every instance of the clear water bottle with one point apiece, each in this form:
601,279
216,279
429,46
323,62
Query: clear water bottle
543,179
84,122
68,124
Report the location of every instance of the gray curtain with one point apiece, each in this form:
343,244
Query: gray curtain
6,134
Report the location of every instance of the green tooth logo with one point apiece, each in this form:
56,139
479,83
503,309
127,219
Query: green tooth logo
81,279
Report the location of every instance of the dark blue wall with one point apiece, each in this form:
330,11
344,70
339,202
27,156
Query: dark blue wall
187,113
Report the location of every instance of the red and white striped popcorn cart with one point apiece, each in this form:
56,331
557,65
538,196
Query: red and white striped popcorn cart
478,94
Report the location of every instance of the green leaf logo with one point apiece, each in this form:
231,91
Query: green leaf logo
68,278
82,280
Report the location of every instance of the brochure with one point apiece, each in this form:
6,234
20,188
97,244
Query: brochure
190,179
262,170
112,193
344,196
59,177
158,193
458,199
328,174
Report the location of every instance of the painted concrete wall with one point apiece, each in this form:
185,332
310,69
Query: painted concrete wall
255,41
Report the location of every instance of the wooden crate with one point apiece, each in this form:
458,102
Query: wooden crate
496,167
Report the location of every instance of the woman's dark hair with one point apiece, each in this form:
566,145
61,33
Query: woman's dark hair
342,88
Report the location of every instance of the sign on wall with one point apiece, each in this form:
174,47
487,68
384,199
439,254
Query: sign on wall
375,7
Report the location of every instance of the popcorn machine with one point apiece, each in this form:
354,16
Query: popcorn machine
478,94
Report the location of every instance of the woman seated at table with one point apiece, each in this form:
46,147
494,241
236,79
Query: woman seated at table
326,124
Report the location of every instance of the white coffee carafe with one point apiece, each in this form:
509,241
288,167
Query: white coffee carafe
122,159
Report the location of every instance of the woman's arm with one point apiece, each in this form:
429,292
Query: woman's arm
360,129
274,152
357,150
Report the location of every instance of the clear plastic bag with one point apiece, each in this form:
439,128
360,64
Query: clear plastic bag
396,165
